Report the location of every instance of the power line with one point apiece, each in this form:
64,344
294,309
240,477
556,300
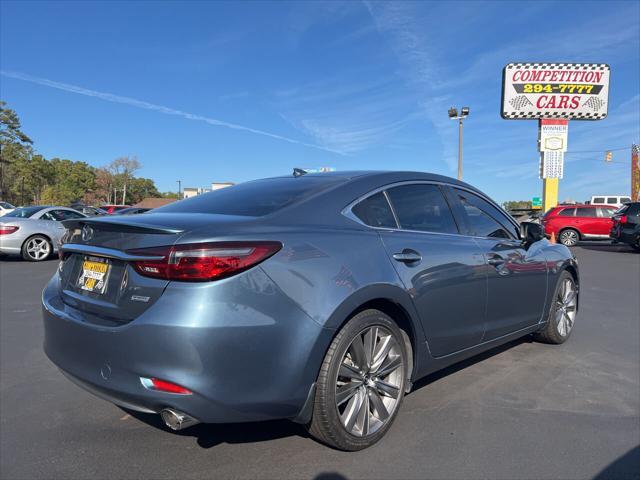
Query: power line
599,151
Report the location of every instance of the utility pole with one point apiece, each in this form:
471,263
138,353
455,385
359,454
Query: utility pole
179,189
453,115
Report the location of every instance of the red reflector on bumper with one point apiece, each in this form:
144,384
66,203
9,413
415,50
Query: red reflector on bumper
164,386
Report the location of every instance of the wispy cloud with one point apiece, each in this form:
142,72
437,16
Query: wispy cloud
109,97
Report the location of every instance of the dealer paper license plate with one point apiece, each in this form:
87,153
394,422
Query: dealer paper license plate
93,277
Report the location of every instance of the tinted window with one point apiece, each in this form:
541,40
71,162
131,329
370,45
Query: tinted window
612,200
484,219
567,212
256,198
423,208
598,200
375,211
24,212
605,212
5,205
585,212
624,199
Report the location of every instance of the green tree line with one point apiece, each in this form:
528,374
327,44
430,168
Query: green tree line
28,178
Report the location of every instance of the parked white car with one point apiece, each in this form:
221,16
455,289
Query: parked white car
34,232
617,200
6,207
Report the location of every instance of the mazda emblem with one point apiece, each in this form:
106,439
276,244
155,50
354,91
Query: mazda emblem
87,233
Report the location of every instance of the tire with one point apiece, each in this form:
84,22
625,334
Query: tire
36,248
569,237
357,399
562,312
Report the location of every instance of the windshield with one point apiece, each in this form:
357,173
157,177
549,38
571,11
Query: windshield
6,205
255,199
24,212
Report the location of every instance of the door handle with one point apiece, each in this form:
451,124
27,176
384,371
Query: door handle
407,256
496,260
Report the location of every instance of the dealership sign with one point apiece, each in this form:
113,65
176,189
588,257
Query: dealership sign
578,91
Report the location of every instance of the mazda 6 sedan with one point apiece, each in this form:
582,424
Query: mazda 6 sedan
318,298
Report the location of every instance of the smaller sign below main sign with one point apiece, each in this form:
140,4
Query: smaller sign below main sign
553,135
552,164
536,202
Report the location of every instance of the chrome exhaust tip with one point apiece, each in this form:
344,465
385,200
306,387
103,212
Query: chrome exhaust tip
177,420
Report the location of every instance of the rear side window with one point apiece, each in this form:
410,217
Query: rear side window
598,200
567,212
422,207
375,211
25,212
605,212
586,212
612,200
624,199
254,199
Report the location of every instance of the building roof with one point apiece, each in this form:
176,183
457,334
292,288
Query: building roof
154,202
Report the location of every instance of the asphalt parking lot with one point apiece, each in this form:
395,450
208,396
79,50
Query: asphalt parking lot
522,411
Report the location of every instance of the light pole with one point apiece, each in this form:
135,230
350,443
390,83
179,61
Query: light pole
453,115
179,189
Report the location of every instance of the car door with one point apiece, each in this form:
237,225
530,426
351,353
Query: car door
590,223
442,270
516,275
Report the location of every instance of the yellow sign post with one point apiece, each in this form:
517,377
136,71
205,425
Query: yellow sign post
549,193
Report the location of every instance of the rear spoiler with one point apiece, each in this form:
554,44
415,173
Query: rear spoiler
118,226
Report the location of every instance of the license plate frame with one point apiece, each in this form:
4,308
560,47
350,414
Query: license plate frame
94,274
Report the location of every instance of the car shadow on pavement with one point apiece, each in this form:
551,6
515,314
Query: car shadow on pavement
209,435
456,367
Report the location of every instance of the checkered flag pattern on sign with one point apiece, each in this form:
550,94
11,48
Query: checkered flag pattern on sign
519,102
594,102
636,149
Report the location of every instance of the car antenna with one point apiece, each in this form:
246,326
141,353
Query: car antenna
298,172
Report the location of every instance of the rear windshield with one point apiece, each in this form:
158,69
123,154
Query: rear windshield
24,212
253,199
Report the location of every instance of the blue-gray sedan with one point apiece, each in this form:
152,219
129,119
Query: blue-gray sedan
319,298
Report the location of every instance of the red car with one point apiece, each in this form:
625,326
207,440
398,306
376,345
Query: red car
571,223
113,208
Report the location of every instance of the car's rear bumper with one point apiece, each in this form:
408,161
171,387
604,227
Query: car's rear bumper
252,357
622,235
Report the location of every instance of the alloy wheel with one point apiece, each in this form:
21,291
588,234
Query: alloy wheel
569,238
38,248
369,381
566,304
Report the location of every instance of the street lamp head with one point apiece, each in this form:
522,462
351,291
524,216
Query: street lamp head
453,112
464,111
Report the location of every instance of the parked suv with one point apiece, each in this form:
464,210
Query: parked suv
571,223
626,225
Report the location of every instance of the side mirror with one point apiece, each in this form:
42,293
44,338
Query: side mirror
531,232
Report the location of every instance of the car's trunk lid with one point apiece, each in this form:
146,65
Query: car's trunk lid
119,294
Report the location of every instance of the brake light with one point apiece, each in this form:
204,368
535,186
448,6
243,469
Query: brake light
164,386
6,230
201,262
622,219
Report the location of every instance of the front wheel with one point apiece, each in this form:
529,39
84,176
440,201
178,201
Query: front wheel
361,383
36,248
562,314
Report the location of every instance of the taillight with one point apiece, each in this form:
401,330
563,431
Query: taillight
164,386
622,219
201,262
6,230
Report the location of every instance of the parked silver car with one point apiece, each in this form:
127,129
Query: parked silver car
34,232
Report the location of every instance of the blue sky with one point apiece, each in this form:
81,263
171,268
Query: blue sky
213,91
